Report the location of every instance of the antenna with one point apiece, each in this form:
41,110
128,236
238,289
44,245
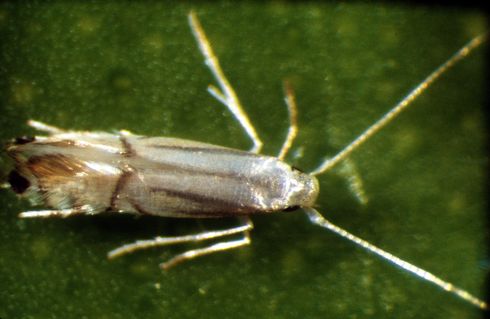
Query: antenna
327,164
402,105
321,221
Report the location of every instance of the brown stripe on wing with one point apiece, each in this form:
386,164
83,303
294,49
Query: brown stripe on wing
230,207
121,182
60,143
128,149
56,165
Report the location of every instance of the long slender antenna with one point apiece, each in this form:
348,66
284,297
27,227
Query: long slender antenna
402,105
321,221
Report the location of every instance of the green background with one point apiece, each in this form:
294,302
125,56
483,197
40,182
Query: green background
122,65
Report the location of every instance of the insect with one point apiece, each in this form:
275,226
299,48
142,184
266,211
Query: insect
92,172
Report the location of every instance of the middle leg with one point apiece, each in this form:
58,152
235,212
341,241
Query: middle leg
227,94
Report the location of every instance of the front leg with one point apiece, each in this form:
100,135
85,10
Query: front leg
43,127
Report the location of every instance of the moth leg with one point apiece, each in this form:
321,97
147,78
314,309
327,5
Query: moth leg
57,213
43,127
225,94
191,254
293,122
164,241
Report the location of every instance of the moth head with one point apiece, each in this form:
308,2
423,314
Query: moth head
303,190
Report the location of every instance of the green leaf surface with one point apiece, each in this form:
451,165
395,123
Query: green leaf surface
135,66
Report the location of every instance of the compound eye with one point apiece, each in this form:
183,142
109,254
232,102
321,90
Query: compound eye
18,182
291,208
296,169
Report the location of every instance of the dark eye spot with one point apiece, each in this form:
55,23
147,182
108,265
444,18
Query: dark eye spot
24,140
18,182
297,169
291,208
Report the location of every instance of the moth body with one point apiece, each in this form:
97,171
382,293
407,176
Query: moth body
154,176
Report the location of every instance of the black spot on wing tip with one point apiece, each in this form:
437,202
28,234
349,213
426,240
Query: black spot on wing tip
24,140
18,182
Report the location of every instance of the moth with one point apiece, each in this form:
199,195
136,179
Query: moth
79,172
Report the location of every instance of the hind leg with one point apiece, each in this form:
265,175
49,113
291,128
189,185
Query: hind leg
244,229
